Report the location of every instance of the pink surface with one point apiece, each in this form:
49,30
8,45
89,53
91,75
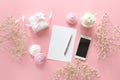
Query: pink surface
13,69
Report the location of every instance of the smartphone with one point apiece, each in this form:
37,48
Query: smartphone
83,47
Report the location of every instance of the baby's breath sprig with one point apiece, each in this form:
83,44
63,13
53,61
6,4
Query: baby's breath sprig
79,71
106,37
12,36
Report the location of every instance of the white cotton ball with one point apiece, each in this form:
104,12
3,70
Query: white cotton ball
88,20
34,49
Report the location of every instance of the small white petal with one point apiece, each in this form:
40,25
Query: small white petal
23,18
51,14
28,25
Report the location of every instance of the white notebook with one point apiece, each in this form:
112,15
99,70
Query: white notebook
62,43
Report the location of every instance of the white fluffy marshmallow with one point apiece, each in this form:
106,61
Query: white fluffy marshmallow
88,20
34,49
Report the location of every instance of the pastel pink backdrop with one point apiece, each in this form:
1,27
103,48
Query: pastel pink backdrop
25,69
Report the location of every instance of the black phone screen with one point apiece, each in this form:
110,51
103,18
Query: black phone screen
83,47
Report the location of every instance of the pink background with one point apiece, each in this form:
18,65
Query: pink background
13,69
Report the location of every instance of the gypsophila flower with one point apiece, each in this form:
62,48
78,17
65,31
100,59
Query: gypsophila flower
79,71
12,36
107,37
